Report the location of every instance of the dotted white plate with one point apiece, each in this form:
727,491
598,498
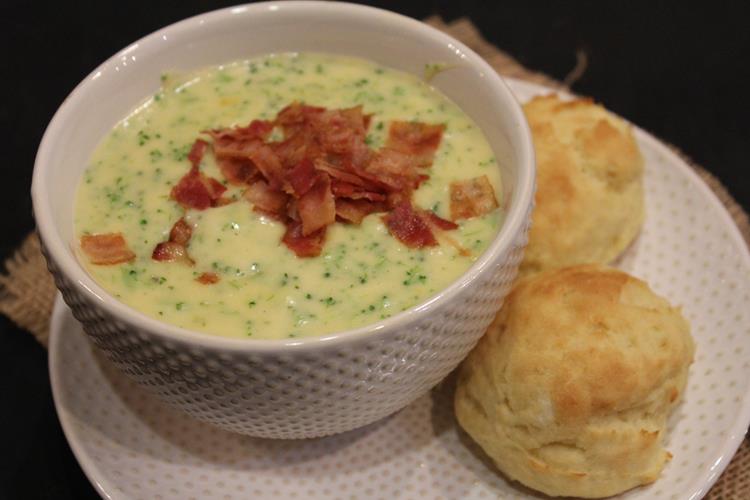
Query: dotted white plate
130,445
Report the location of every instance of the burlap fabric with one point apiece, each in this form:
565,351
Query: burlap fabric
27,291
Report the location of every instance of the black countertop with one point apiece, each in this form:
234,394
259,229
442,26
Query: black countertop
679,72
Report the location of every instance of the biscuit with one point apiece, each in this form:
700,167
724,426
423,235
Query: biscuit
589,199
570,389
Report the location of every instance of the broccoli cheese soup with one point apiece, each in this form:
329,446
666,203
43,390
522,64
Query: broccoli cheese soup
292,195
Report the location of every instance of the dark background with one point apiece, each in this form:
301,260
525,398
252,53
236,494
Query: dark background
679,72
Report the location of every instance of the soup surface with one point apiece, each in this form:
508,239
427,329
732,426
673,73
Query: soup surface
263,290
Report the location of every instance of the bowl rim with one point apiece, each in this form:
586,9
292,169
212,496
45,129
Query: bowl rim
60,254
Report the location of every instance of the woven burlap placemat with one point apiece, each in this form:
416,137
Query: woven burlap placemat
27,291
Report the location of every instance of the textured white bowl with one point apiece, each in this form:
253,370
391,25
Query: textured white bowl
286,388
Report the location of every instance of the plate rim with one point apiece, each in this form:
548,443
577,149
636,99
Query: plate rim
697,488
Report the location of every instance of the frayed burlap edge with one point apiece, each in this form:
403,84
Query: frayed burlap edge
27,291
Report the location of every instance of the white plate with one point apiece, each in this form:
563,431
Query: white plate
132,446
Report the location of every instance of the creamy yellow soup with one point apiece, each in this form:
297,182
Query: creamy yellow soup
265,291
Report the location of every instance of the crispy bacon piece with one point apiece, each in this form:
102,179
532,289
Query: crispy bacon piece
181,232
238,149
293,149
238,171
323,169
343,175
303,246
302,177
393,169
269,165
196,190
472,198
238,142
419,140
346,190
106,248
257,129
295,116
208,278
266,199
197,151
317,208
353,211
338,130
407,226
175,249
169,251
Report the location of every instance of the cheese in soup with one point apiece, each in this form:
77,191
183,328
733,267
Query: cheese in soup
259,288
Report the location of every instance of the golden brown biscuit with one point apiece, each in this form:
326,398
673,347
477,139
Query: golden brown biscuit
589,199
570,389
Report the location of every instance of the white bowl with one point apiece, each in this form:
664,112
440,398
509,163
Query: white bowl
292,388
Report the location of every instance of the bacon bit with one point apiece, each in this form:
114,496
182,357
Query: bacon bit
197,191
106,248
269,165
303,246
238,149
339,129
302,177
295,116
322,170
346,190
419,140
353,211
317,208
257,129
472,198
181,232
208,278
239,142
267,200
393,169
175,249
238,171
170,251
292,150
197,151
342,175
409,227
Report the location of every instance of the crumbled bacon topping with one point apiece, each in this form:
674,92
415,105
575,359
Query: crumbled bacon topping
196,152
181,232
208,278
303,246
175,249
472,198
196,190
321,170
106,248
419,140
409,227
